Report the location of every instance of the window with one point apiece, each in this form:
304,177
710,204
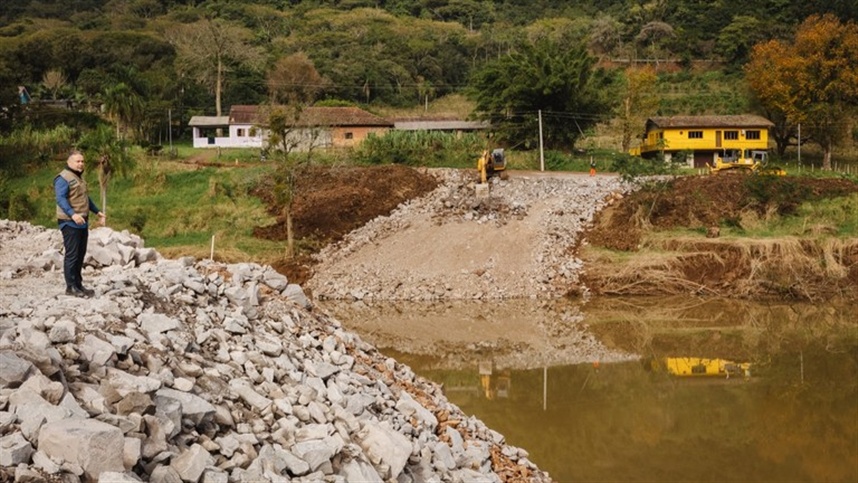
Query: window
752,134
695,134
349,135
239,132
731,135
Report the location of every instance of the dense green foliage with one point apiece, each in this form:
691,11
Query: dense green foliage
548,80
398,52
421,148
127,62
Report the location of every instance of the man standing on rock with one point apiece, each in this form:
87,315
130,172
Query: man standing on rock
73,208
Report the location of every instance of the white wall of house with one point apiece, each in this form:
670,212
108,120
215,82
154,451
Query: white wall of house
237,136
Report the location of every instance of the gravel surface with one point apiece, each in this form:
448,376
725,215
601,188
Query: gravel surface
186,370
517,242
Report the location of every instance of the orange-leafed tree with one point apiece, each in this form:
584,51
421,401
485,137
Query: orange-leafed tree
812,81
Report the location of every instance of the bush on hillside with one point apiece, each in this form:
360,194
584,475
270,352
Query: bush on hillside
421,148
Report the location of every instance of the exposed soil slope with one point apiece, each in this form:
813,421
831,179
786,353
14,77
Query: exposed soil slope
338,201
334,201
808,267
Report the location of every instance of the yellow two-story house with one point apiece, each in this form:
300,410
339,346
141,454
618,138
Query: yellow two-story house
701,138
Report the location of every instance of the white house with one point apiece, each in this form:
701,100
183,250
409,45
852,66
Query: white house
319,127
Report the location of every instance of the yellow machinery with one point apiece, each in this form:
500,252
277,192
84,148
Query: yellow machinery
751,161
494,385
699,366
491,163
737,159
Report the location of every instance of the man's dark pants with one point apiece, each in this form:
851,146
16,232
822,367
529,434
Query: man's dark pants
74,242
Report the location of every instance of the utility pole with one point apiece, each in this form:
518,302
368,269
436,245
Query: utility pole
541,154
799,147
170,129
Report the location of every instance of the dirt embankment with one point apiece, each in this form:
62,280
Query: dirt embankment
644,261
334,201
640,260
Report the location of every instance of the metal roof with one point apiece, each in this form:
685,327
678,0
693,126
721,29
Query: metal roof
440,125
312,116
736,121
209,121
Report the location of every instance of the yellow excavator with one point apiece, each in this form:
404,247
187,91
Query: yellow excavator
747,160
491,163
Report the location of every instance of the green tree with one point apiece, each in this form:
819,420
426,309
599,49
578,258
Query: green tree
558,79
811,81
736,40
123,106
110,154
287,133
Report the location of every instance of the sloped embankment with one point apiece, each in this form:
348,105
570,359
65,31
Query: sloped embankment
634,253
791,268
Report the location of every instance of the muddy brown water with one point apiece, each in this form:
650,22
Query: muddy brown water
780,404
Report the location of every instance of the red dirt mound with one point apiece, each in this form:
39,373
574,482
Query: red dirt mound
332,201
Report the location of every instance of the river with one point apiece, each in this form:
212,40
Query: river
646,389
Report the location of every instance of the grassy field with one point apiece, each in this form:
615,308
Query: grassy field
175,205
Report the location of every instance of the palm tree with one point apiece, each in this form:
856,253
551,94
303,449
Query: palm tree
110,153
54,80
122,106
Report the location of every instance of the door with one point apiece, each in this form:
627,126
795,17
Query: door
717,139
702,159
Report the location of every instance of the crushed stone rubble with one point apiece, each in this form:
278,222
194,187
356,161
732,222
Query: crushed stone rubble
194,371
572,205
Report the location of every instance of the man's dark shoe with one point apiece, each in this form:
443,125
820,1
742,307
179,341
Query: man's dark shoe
87,292
75,292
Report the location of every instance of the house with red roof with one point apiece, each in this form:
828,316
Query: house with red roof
316,127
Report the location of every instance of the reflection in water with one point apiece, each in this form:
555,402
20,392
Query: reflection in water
625,422
792,416
701,366
494,385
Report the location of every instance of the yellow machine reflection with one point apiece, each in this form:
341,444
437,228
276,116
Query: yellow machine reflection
494,384
701,367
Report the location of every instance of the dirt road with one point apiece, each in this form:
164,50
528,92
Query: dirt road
518,241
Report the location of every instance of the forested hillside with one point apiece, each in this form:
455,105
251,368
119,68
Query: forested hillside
136,60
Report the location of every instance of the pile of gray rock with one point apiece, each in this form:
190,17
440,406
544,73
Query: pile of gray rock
194,371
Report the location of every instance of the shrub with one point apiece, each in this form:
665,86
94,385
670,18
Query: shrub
783,193
138,220
421,148
21,208
633,168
